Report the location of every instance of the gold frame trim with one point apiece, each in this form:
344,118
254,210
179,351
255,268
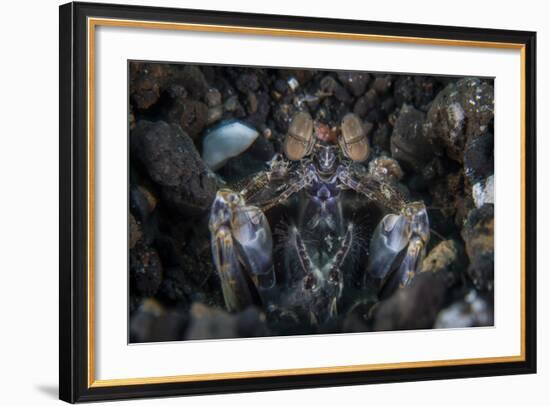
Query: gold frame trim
94,22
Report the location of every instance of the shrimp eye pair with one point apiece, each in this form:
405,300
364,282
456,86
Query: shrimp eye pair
299,141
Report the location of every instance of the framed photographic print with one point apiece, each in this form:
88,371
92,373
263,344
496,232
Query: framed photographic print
255,202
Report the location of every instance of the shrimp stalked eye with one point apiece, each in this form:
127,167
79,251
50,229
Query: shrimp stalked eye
353,141
299,140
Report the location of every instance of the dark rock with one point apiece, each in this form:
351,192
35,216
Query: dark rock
302,76
251,322
173,163
282,116
331,86
375,115
190,115
416,90
147,82
280,86
145,271
175,288
152,323
209,72
194,81
247,82
413,307
336,111
449,196
142,201
146,93
478,234
481,270
360,108
241,167
189,274
134,302
388,105
135,232
433,169
367,126
366,103
372,99
208,322
355,82
261,149
259,112
382,84
224,86
176,91
381,138
409,144
233,105
403,90
461,111
358,318
425,92
479,158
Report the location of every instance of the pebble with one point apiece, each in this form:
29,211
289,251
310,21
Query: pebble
472,311
214,115
386,169
233,105
213,97
135,232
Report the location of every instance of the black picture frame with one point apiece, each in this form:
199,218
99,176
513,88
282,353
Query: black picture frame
74,200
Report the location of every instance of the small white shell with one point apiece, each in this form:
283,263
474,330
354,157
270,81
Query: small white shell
226,141
484,192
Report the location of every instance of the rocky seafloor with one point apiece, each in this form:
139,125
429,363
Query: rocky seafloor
436,133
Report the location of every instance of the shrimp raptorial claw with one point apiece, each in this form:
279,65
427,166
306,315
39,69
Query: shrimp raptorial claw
408,233
241,248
